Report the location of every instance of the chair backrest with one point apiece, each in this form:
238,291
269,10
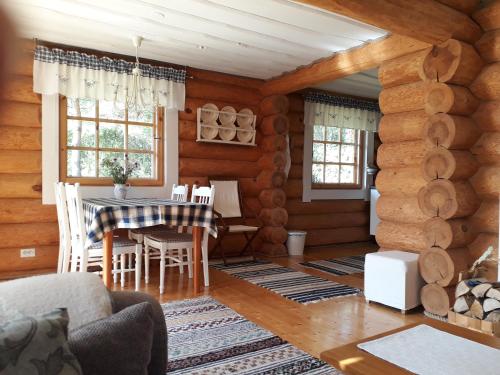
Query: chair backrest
76,216
227,198
180,193
203,195
64,230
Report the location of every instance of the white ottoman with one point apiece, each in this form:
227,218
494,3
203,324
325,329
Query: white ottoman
392,278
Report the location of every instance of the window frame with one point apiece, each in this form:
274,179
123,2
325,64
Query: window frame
359,162
158,159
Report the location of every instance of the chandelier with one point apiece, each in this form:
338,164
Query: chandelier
134,100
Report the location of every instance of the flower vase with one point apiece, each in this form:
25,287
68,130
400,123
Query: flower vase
121,191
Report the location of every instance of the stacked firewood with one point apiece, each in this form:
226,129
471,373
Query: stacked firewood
272,177
479,299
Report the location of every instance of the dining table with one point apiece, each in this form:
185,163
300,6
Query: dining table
103,215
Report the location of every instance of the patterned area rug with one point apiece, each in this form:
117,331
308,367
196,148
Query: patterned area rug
207,337
291,284
339,266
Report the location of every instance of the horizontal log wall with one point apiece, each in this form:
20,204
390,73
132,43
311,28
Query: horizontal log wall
326,221
24,221
198,160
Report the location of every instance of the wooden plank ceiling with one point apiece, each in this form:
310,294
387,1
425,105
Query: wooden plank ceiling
257,38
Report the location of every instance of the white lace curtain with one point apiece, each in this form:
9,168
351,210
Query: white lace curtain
78,75
342,112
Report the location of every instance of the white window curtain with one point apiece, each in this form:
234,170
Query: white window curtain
341,112
78,75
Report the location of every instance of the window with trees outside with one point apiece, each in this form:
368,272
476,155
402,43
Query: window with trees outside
93,130
337,160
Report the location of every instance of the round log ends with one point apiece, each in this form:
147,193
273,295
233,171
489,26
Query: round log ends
452,165
448,233
275,161
445,199
274,217
451,61
276,124
454,132
487,84
274,235
489,46
271,179
273,249
488,16
442,266
272,198
436,299
452,99
273,105
273,143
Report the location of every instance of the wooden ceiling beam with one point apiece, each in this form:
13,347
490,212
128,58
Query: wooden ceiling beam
425,20
343,64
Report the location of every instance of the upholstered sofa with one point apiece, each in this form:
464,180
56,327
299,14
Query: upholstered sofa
87,301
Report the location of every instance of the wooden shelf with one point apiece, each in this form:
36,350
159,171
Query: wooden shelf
217,138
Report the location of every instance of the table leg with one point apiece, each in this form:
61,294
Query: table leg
107,258
197,234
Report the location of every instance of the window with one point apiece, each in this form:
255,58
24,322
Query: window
336,157
91,131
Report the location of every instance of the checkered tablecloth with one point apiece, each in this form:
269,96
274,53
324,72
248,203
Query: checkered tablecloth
106,214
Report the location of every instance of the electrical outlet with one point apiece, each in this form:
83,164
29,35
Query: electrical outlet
28,253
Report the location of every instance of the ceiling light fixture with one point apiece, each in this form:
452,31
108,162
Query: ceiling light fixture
134,100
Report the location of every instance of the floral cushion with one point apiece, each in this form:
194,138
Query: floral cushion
37,345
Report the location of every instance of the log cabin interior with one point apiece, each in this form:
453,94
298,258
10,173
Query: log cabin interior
249,187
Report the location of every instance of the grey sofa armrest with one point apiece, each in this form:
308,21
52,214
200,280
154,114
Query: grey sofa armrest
121,300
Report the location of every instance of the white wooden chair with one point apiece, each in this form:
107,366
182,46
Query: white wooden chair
165,242
64,258
180,193
83,258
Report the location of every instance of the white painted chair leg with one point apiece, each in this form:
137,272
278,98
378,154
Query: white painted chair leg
84,261
204,257
138,266
74,262
180,254
162,271
146,263
123,267
170,253
115,268
190,262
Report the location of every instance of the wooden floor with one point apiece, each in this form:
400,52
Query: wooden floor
313,328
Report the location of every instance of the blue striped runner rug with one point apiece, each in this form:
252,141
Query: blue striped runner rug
294,285
207,337
339,266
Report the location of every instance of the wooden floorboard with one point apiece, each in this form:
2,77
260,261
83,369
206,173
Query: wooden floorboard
313,328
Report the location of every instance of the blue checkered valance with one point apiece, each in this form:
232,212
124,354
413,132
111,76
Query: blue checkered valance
341,101
342,112
79,75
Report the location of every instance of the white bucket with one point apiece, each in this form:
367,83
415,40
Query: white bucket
295,242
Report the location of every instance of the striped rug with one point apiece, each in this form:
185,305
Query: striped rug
207,337
339,266
294,285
